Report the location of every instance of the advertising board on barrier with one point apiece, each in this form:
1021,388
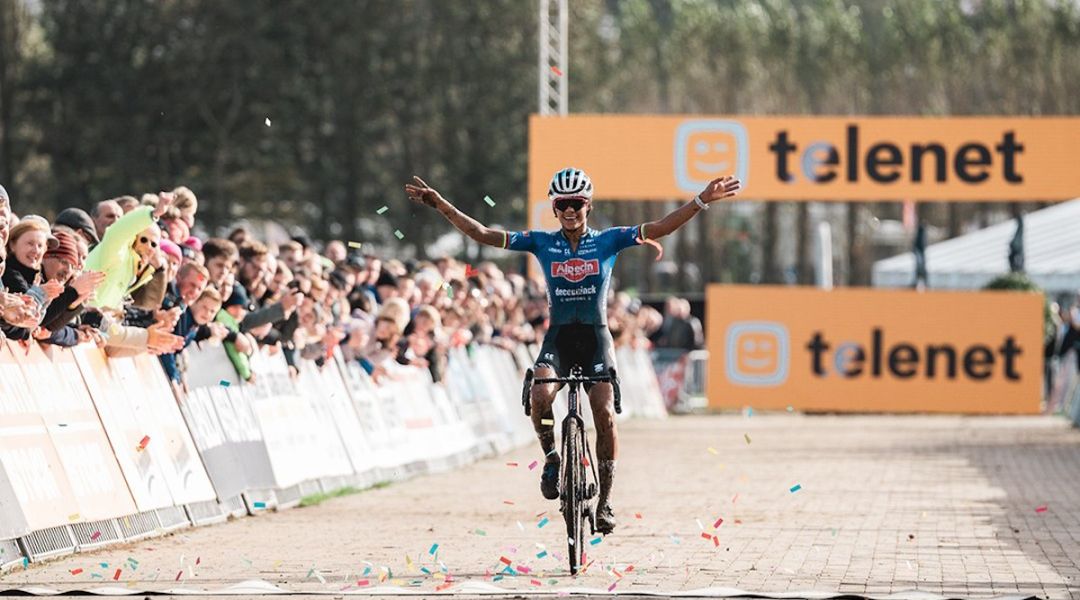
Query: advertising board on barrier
867,350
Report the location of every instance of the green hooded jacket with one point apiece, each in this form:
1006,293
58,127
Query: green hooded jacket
118,260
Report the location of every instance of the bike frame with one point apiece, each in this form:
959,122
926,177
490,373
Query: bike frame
576,504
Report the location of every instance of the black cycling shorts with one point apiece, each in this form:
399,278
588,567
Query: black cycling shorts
580,344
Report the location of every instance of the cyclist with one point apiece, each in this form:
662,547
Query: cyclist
577,262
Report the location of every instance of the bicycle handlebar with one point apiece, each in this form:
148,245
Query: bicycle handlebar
611,377
597,379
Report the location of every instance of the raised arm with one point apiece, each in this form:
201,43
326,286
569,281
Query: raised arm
718,189
421,192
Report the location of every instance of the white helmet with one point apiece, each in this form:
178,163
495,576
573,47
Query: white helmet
570,182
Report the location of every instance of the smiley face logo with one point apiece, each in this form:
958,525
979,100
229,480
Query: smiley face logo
757,353
709,148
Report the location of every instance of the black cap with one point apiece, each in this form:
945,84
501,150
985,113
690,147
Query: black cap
239,297
386,278
303,240
77,219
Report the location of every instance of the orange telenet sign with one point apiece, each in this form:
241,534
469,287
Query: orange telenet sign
812,158
865,350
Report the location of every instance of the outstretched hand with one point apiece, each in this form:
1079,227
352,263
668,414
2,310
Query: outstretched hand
720,188
419,191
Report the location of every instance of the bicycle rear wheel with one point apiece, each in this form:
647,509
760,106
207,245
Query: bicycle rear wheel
573,490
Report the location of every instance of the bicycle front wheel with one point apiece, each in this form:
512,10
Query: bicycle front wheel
573,490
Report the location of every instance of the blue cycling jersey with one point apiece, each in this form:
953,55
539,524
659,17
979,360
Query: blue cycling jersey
578,281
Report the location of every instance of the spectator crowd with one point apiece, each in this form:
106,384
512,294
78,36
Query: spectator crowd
133,275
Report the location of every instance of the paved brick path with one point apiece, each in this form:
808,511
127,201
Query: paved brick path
939,504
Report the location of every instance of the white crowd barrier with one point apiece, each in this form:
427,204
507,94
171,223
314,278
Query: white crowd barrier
96,450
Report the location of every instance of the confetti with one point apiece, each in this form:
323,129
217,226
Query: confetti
178,576
362,582
612,586
116,575
425,570
76,571
104,565
747,436
489,201
505,560
718,523
706,535
637,515
533,464
536,582
224,383
523,569
144,442
260,505
542,522
398,234
94,536
267,121
712,450
434,549
93,575
556,71
479,532
356,245
796,488
1041,509
585,460
198,559
596,540
542,554
520,526
510,502
382,210
511,464
735,497
547,422
73,517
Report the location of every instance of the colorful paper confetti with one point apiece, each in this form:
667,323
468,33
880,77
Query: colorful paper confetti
489,201
76,571
547,422
747,437
267,121
542,554
225,383
433,550
718,523
505,560
1040,509
94,536
356,245
398,234
535,582
556,70
510,502
596,540
637,515
612,586
143,442
712,450
178,576
511,464
542,522
796,488
533,464
479,532
362,582
116,575
259,505
382,210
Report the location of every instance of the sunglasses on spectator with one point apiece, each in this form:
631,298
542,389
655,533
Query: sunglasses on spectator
562,204
144,240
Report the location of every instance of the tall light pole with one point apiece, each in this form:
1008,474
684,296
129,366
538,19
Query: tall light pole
553,57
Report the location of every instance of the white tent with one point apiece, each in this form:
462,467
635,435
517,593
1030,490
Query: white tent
1051,253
